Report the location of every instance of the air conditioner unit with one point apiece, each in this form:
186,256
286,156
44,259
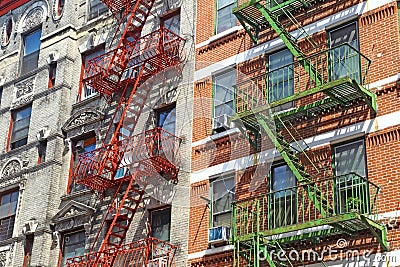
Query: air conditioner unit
158,262
223,123
217,235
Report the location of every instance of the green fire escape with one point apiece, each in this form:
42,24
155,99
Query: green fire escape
321,204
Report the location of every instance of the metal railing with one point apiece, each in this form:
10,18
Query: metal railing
295,205
103,163
147,252
329,65
156,50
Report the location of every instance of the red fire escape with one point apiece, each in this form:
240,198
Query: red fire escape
129,160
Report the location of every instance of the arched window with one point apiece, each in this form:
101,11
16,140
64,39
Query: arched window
60,7
6,32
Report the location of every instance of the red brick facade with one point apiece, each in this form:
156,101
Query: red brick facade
379,41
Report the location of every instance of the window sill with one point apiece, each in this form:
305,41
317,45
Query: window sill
210,251
219,36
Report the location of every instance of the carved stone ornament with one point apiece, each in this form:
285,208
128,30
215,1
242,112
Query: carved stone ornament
33,19
23,92
12,167
72,215
6,31
3,258
82,117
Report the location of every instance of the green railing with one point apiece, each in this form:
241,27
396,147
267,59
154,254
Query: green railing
294,205
282,83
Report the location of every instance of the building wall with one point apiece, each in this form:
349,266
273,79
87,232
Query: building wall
213,154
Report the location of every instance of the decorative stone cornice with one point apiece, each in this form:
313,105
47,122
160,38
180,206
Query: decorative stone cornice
81,118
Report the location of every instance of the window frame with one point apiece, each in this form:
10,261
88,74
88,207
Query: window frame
172,110
14,114
62,255
100,11
160,210
97,51
215,86
275,198
345,186
171,14
91,139
10,216
36,53
290,89
214,179
216,17
331,61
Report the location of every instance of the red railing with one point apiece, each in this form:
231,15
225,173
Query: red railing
153,53
149,252
101,168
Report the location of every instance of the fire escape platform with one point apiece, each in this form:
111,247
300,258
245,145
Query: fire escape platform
250,14
349,223
342,92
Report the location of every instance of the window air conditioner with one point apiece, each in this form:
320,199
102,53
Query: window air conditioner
222,123
218,234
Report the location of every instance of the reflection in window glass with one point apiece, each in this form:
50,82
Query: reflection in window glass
223,193
73,246
225,17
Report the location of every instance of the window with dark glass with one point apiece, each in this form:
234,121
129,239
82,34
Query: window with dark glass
224,16
351,177
31,51
73,246
166,118
344,57
96,9
161,223
283,196
42,149
223,193
81,146
8,208
172,22
86,90
52,75
280,75
20,127
28,250
224,94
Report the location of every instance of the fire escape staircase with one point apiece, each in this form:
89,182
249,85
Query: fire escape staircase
328,80
129,159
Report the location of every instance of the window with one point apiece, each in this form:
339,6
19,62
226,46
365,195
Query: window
344,60
283,196
351,182
42,148
73,246
31,51
224,93
161,224
117,230
96,9
8,208
223,193
20,126
81,146
87,91
1,93
59,7
172,22
280,76
225,17
166,118
52,75
28,250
